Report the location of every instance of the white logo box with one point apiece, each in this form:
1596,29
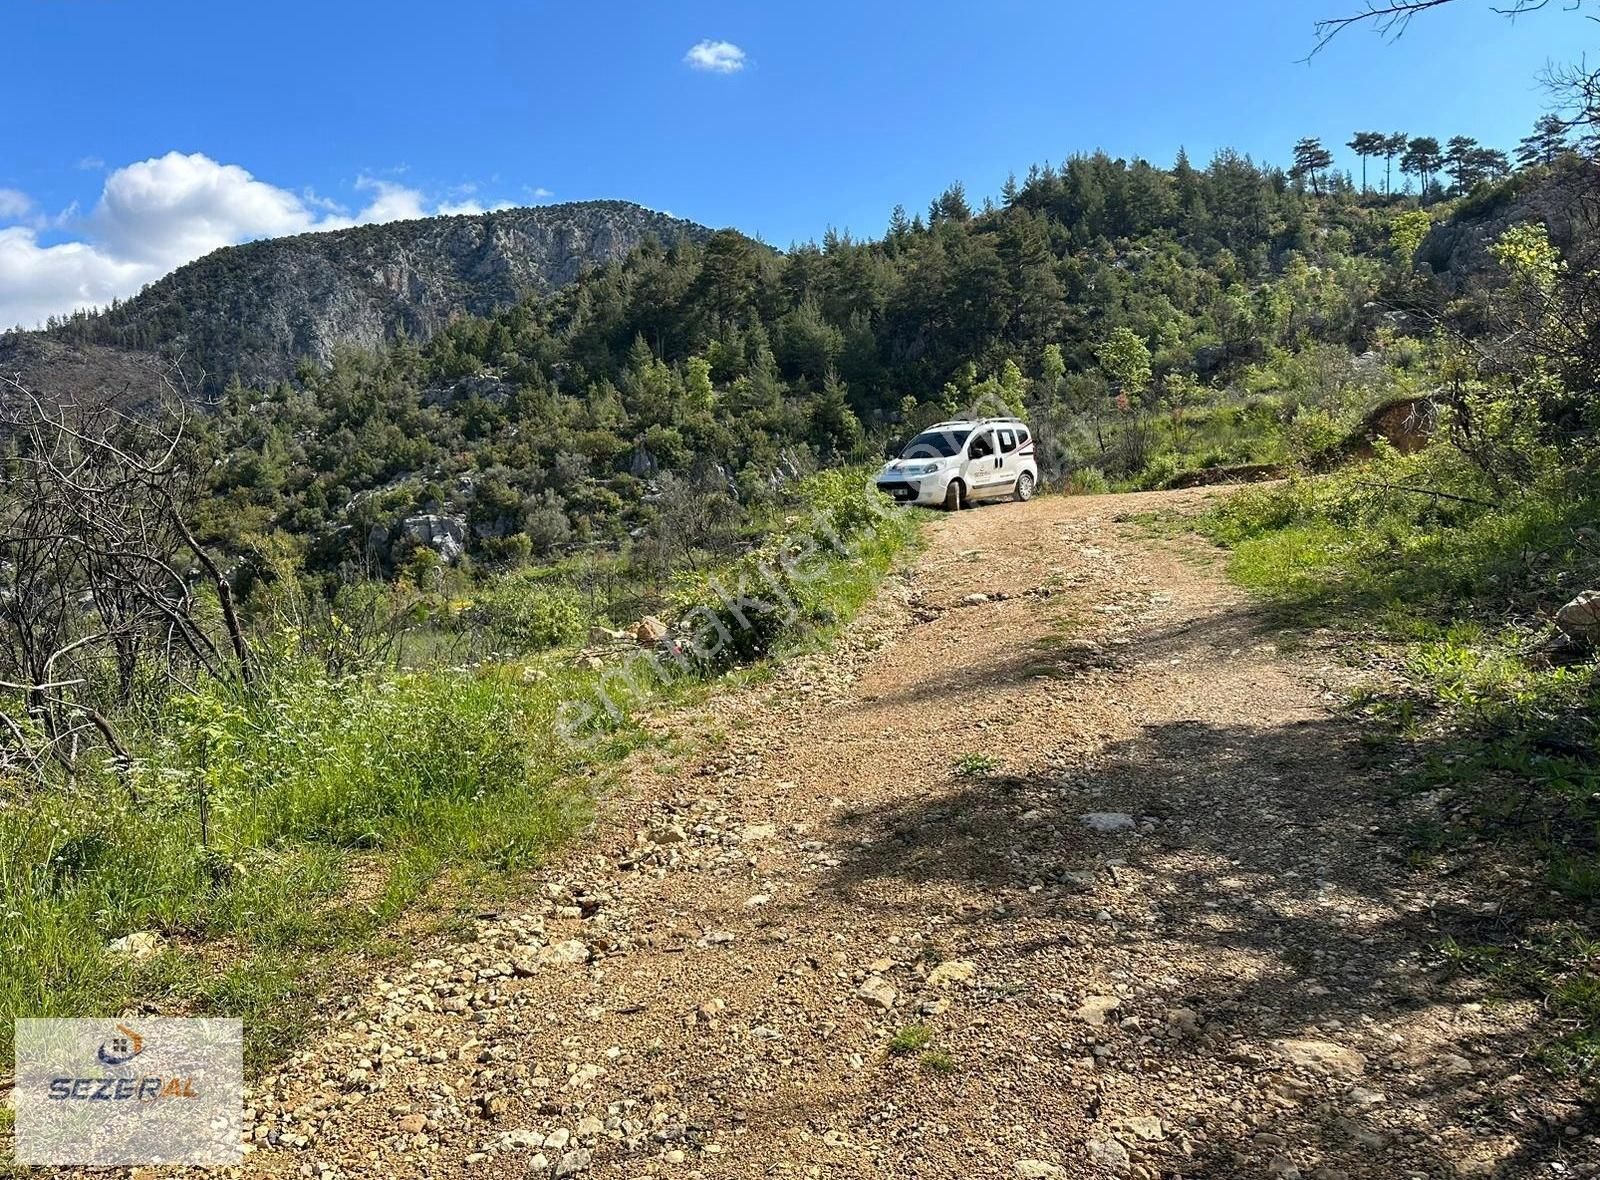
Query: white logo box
120,1092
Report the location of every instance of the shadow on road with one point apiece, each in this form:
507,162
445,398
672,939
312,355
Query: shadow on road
1262,888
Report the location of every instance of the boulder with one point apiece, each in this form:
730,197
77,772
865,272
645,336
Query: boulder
445,535
1038,1170
961,971
877,992
1108,822
570,953
1580,618
649,631
1098,1010
1108,1155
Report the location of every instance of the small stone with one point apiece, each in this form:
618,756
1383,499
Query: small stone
1098,1010
976,599
1038,1170
755,833
1323,1057
1108,822
588,1126
557,1139
1283,1168
412,1124
953,971
878,992
573,1162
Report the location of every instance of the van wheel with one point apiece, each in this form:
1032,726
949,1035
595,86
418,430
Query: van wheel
954,495
1025,486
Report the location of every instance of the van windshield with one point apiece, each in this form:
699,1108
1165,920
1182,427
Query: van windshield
930,443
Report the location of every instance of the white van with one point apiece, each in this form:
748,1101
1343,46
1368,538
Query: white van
956,463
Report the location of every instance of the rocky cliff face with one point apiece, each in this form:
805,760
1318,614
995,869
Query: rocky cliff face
1566,202
256,310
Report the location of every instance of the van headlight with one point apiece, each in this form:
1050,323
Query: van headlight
920,469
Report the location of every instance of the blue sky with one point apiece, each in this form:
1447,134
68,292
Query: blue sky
139,134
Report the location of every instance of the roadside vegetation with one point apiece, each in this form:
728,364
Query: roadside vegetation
422,740
1454,576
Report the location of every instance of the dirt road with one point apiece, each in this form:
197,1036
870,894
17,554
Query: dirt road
1060,866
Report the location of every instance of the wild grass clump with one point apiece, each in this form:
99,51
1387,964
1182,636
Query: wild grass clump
910,1039
1411,542
521,613
247,818
976,765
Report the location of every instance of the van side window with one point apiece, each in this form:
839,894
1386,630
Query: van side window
1022,437
982,446
1008,441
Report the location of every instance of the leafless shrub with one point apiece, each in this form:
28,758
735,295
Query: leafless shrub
102,581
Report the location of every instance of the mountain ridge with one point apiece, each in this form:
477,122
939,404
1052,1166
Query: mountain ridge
255,310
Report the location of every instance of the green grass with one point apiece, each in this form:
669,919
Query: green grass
938,1061
976,765
333,806
910,1039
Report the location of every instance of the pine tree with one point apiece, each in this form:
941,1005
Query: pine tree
1365,144
1393,146
1460,161
1311,159
1422,159
1547,143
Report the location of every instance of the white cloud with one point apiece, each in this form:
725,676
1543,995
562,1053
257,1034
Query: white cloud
717,57
540,193
175,208
390,201
13,204
157,214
